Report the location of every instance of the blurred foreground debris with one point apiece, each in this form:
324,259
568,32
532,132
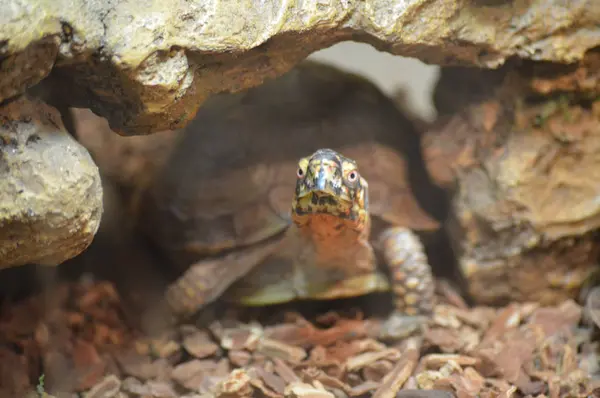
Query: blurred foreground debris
80,340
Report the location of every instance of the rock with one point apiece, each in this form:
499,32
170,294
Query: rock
50,189
148,66
525,176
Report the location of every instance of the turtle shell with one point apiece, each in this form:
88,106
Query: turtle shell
230,179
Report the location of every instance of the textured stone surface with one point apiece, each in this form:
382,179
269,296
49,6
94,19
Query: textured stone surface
147,66
50,190
526,175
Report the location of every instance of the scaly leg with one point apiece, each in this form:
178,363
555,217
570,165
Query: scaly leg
411,278
205,281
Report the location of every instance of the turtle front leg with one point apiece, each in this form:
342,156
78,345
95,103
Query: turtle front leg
411,280
205,281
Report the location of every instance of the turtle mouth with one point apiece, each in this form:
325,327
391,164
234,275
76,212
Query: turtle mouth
323,202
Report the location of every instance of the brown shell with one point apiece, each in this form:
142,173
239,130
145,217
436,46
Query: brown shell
231,177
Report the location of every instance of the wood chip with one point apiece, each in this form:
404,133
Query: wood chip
240,338
239,358
393,382
84,346
260,385
237,384
273,381
304,390
552,319
276,349
314,374
509,318
367,358
364,388
191,374
199,344
436,361
285,371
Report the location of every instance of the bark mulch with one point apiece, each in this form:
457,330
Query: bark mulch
75,341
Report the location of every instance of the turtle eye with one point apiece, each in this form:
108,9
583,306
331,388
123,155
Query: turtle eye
352,176
300,172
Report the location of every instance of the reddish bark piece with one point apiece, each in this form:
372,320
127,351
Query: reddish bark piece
199,344
285,371
448,340
88,365
193,374
276,349
553,319
393,382
239,358
272,380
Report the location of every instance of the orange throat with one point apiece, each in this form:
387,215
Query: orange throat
328,232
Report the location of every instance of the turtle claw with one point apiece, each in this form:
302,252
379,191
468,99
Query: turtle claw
399,326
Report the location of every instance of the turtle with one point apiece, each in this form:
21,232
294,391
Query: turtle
296,189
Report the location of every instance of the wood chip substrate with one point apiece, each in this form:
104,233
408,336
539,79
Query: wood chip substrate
76,342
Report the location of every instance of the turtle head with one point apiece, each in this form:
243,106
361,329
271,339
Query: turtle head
329,187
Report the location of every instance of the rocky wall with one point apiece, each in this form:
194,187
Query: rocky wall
148,66
519,152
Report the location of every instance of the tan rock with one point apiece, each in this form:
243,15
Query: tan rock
50,190
526,175
148,66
